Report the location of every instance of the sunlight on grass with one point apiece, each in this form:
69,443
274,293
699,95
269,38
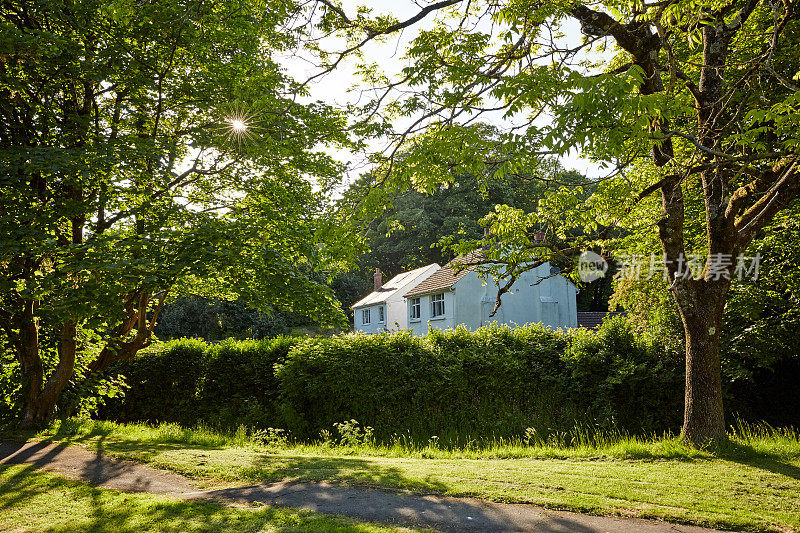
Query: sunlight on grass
35,501
752,482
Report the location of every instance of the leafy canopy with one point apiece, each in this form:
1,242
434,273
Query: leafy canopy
121,173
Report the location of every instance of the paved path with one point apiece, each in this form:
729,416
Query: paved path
437,512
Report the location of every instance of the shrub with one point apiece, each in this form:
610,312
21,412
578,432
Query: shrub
494,382
162,384
238,386
455,385
626,380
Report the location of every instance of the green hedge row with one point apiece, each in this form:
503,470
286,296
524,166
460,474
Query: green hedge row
456,384
189,381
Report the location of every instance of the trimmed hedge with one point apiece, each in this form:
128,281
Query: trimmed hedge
458,385
188,381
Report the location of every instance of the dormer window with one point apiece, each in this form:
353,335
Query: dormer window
437,305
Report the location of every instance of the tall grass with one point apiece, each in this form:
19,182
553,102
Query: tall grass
763,439
164,433
745,440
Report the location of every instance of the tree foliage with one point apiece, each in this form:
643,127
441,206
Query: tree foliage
694,100
215,319
411,227
151,149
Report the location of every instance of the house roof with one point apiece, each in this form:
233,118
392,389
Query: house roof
392,287
593,319
444,278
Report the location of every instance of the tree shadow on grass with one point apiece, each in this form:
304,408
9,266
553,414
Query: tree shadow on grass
92,509
11,492
112,511
299,482
361,489
748,455
364,489
93,467
349,470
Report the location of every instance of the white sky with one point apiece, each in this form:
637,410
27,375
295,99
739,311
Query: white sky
334,87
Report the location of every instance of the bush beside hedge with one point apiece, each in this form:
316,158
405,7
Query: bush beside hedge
454,384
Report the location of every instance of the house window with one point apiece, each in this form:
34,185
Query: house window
416,309
437,305
381,317
365,317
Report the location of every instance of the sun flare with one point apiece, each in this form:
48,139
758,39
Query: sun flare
238,125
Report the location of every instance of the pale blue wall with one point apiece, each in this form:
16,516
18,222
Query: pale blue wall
420,327
374,326
551,302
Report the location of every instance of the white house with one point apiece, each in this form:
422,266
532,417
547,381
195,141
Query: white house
448,299
384,309
441,298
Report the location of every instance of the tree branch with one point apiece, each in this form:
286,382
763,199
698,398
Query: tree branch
784,189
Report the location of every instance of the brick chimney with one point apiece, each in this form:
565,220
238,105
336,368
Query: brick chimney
378,279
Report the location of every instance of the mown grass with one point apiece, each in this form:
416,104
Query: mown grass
35,501
750,483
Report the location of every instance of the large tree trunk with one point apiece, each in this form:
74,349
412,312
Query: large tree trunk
701,303
40,401
30,363
118,349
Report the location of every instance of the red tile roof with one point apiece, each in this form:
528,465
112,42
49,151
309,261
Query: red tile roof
444,278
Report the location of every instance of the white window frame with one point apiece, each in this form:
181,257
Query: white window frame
365,318
381,314
437,304
416,305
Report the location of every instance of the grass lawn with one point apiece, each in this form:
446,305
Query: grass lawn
35,501
752,483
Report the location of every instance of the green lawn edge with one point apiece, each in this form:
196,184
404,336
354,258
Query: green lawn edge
753,485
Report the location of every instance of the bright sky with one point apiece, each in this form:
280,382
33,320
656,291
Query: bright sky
333,88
